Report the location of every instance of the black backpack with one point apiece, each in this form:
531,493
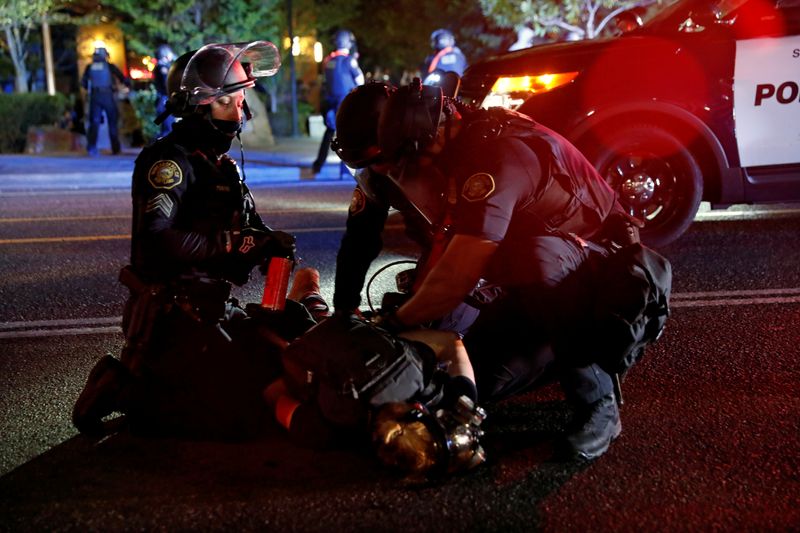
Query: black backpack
349,366
631,305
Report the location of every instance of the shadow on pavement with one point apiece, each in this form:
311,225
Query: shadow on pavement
130,482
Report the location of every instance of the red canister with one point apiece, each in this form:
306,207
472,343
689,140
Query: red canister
276,283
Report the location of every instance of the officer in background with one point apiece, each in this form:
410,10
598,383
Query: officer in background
342,75
189,363
447,57
164,58
515,205
98,81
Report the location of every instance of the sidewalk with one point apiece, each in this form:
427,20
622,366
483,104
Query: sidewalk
289,160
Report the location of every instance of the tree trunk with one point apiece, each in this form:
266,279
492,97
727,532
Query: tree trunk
16,50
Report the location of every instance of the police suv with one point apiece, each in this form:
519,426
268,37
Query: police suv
700,103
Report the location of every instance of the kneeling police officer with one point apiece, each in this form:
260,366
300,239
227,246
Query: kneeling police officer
187,361
517,206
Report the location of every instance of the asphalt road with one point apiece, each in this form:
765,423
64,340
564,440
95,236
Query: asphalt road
711,420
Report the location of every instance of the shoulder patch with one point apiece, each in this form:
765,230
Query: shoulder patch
478,187
165,174
358,202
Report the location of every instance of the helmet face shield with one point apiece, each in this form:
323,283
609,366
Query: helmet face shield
219,69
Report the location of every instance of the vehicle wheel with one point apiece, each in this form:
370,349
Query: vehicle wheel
657,178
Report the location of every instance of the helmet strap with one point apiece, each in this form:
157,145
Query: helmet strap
241,154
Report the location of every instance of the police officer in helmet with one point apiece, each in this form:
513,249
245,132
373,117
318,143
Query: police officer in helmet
164,58
342,75
516,206
447,57
98,80
187,363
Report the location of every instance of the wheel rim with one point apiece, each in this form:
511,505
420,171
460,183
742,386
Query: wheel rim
647,186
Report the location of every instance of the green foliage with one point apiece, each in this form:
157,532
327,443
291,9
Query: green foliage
188,24
581,18
23,13
18,111
144,107
395,34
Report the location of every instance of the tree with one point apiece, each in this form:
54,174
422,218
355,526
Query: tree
17,19
188,24
581,19
395,34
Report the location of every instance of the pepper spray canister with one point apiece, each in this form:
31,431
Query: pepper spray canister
276,283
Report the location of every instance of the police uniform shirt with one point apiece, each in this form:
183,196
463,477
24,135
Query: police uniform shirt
184,200
452,60
509,189
99,76
341,73
160,78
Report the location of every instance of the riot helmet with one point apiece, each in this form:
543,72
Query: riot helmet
417,442
410,120
198,78
356,141
442,38
100,52
344,39
164,54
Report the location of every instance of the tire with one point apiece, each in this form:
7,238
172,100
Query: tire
657,178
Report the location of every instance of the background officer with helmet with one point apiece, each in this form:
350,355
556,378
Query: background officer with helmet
98,81
515,204
164,58
188,363
447,57
342,75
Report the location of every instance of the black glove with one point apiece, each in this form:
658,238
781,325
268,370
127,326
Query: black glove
253,245
281,245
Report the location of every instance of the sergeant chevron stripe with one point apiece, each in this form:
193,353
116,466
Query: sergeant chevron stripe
161,201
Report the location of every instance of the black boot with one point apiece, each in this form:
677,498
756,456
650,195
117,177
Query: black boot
595,427
102,395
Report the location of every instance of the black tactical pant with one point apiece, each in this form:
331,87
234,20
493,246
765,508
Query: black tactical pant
102,101
526,336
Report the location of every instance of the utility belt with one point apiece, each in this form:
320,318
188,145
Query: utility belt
620,229
200,297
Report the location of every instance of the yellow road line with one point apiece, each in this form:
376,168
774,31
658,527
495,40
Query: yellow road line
270,212
40,240
84,238
63,219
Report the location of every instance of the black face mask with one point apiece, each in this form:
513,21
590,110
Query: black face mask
227,127
207,134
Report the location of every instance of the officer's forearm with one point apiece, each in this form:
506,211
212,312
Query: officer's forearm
191,246
450,280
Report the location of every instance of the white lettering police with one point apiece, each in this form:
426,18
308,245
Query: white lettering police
766,101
